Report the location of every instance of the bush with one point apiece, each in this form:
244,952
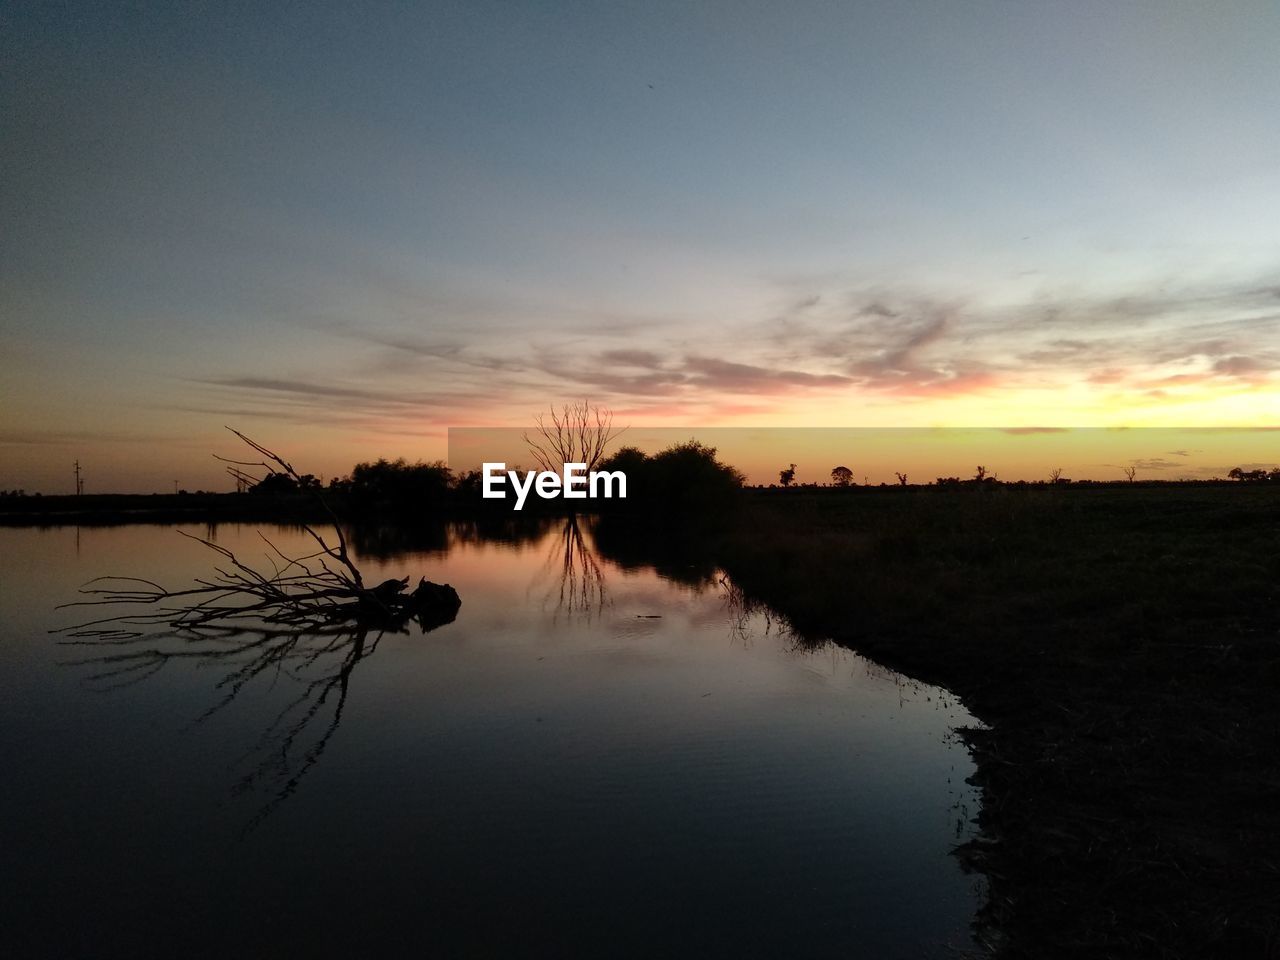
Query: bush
686,478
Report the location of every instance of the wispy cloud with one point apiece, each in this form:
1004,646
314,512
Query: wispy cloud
905,345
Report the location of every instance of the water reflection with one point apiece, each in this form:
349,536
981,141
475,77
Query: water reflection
318,661
308,620
678,771
681,552
580,588
425,536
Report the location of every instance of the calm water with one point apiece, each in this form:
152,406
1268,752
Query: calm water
589,760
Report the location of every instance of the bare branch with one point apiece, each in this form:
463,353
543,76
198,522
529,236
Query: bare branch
576,433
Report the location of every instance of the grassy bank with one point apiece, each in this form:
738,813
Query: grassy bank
1120,642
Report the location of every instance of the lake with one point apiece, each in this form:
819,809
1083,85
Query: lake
594,758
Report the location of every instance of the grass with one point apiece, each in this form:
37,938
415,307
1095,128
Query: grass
1120,644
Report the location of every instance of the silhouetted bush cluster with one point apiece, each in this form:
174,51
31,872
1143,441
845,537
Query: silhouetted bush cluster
275,484
1255,476
684,479
395,485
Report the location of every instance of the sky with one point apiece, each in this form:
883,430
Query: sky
345,228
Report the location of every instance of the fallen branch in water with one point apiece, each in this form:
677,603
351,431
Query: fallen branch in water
308,619
303,593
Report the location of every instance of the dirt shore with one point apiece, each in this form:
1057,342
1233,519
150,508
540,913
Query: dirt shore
1120,645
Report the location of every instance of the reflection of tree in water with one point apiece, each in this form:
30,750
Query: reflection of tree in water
395,541
501,528
579,587
679,549
318,661
743,611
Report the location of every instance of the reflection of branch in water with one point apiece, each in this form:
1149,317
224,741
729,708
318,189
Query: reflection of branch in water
742,609
320,662
277,743
581,588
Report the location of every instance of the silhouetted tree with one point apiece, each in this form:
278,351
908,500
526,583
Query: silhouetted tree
902,478
785,477
468,484
275,483
397,483
576,433
630,460
685,478
1254,476
1130,472
842,476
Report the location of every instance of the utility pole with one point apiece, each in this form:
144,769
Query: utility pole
175,486
79,482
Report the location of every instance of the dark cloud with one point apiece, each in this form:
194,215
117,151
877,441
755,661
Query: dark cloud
295,400
632,358
62,437
1239,366
711,373
449,351
685,376
914,348
304,388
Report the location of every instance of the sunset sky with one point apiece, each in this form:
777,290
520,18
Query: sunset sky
344,228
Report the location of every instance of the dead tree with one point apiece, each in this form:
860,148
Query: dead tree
576,433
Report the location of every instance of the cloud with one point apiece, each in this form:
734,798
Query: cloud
319,403
306,388
1238,366
63,437
710,373
632,358
688,376
912,347
907,345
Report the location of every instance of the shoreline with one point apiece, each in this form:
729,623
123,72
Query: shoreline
1121,650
